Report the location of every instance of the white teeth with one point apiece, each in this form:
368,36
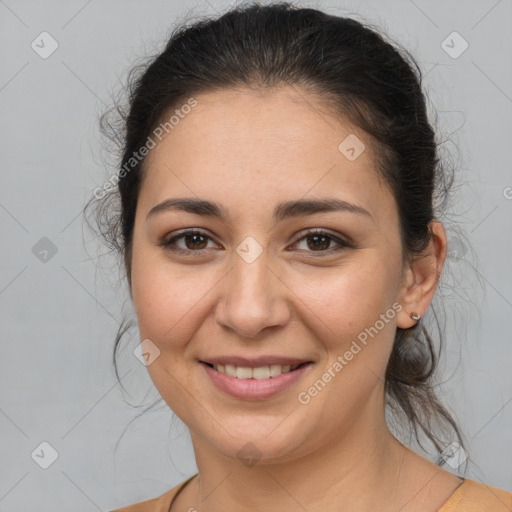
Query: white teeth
275,370
259,373
243,373
229,369
263,372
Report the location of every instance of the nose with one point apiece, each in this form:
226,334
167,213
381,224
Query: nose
253,299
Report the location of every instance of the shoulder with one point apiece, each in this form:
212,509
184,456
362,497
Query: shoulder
159,504
473,496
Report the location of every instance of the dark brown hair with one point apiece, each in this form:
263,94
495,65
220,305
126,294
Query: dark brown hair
372,82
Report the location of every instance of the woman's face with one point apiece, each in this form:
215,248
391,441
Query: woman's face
258,282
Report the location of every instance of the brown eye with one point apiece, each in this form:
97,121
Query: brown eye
196,241
191,241
320,241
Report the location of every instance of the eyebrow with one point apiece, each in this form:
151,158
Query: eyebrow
282,211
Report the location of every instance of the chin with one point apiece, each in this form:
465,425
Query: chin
268,444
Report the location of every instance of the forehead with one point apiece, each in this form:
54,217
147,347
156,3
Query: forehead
252,146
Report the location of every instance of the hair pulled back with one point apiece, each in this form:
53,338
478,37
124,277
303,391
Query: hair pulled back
371,82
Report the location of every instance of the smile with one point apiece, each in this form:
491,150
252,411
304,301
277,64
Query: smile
258,373
258,383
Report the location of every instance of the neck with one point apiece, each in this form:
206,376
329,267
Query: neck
355,472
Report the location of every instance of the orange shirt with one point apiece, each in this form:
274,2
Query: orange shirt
470,496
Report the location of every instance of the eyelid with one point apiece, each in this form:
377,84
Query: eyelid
166,243
322,231
342,242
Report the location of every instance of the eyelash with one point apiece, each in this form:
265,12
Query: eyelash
343,244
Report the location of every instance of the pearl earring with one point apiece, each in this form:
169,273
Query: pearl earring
415,316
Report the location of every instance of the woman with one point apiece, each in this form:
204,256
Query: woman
281,247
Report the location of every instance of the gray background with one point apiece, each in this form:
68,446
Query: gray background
59,316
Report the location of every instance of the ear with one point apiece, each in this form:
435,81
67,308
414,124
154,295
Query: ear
421,277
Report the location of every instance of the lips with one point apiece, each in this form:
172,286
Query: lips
255,387
259,372
254,362
257,368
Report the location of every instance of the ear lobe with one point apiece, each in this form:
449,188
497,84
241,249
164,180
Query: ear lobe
410,300
422,277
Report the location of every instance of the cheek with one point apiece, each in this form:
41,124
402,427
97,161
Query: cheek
168,304
344,309
351,314
350,297
168,300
